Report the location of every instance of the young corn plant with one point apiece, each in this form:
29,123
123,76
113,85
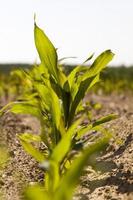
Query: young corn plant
56,102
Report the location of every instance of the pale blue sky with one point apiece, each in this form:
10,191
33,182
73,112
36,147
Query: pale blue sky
76,27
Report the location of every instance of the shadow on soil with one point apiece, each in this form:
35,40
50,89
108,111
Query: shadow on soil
116,174
122,148
119,179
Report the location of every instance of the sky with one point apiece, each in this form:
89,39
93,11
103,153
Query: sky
76,27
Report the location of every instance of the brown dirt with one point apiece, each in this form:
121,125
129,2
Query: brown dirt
113,178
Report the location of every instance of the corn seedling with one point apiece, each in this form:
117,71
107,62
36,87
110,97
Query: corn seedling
56,101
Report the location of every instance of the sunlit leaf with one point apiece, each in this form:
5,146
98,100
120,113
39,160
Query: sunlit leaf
30,149
72,75
46,51
105,119
65,58
36,192
50,101
96,125
64,145
99,64
30,137
89,58
52,177
26,108
71,178
81,91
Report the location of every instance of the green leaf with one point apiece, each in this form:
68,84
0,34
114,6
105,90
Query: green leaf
96,125
30,149
99,64
105,119
6,108
64,145
81,91
64,58
87,80
62,77
46,51
44,94
26,108
71,178
36,192
66,103
55,108
94,81
89,58
80,68
72,75
30,137
52,177
50,101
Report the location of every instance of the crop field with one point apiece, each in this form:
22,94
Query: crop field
66,132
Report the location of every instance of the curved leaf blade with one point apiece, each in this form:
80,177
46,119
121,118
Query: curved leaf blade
71,178
30,149
64,145
46,51
81,91
99,64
